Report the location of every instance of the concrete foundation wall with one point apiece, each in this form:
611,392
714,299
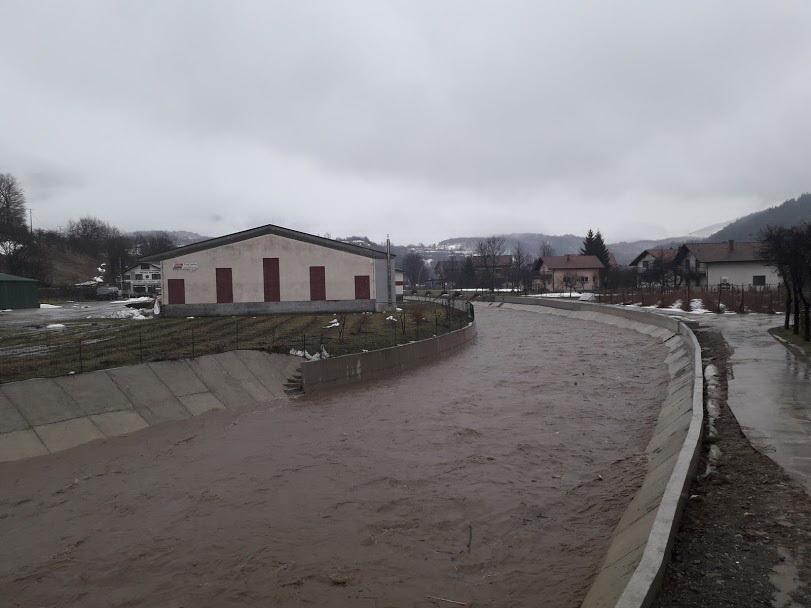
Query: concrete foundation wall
47,415
264,308
330,373
631,573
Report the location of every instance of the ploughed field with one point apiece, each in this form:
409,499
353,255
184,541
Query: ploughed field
493,477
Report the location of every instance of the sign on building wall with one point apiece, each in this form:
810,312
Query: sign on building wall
189,266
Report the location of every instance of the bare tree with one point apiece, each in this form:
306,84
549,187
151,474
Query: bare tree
414,268
521,267
546,250
489,250
787,250
12,203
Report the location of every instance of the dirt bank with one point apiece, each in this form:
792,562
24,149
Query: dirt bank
745,538
495,477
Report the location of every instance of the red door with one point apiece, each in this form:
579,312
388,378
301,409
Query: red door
225,286
318,283
362,291
270,271
177,291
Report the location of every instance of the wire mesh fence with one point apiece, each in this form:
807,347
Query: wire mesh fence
715,298
76,347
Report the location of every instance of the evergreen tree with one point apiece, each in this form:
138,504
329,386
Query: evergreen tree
594,245
600,249
588,244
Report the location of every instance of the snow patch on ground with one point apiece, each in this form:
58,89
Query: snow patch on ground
49,306
132,300
55,326
333,323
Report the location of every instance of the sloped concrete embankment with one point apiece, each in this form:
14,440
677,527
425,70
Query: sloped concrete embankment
327,374
631,573
47,415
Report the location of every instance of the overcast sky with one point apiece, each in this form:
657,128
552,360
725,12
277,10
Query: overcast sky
425,120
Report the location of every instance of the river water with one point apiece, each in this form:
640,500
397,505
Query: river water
494,477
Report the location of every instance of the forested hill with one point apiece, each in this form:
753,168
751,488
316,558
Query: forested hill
747,228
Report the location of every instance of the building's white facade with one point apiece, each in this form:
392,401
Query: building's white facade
141,280
272,269
741,273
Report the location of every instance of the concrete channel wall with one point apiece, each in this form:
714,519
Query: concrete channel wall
318,376
47,415
630,575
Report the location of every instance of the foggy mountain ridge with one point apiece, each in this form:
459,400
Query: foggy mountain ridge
747,228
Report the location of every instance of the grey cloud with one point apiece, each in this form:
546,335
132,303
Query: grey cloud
419,119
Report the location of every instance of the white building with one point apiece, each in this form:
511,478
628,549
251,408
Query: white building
398,283
273,269
142,279
731,262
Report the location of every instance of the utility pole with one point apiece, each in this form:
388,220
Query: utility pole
388,272
31,220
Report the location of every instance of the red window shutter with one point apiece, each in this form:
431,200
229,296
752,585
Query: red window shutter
362,291
225,286
318,283
177,291
270,271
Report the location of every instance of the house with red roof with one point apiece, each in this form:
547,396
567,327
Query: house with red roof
562,272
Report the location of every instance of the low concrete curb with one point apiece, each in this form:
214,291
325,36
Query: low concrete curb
326,374
630,576
47,415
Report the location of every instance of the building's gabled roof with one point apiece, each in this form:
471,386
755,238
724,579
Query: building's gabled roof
11,278
570,262
728,251
666,255
137,265
287,233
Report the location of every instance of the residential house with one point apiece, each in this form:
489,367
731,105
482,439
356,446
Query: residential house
142,279
655,265
730,262
562,272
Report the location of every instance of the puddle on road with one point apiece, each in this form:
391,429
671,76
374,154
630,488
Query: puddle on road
785,579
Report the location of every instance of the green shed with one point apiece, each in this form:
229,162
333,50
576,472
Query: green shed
18,292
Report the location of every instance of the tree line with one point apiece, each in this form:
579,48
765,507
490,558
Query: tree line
788,250
488,267
31,253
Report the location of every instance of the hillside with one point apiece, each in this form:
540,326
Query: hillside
747,228
530,242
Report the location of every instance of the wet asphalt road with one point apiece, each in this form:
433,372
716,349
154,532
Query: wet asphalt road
769,390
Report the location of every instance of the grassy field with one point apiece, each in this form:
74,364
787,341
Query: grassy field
90,344
789,336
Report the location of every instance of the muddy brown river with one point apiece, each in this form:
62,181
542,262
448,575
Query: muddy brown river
494,477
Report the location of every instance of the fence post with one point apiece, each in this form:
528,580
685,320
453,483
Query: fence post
304,342
140,345
237,334
81,362
192,341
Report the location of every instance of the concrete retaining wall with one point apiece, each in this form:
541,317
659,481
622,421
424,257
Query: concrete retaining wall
631,573
266,308
330,373
47,415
